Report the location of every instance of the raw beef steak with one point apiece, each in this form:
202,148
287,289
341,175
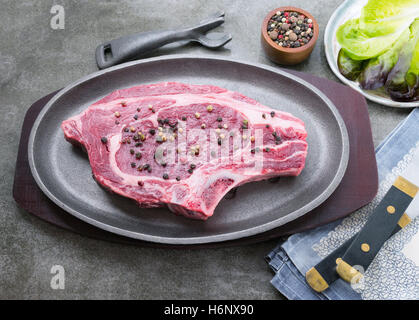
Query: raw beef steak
185,146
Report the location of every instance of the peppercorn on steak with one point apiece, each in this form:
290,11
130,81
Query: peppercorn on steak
185,146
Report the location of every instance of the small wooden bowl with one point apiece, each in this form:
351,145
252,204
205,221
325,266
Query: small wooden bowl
288,56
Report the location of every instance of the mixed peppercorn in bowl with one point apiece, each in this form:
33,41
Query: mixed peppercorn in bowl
289,35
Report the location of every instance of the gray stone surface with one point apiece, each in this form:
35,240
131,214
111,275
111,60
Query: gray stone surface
35,60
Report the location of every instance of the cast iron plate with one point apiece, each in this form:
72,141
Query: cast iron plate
64,175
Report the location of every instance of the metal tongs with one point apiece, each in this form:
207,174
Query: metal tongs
130,47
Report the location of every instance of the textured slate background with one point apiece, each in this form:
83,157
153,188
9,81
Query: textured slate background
35,60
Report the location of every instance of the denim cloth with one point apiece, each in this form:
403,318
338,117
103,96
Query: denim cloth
291,259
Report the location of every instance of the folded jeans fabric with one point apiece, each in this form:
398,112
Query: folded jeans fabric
382,280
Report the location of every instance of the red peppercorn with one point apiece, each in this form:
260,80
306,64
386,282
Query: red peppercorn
286,14
280,36
310,25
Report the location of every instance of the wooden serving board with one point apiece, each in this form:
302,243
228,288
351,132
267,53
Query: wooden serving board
358,187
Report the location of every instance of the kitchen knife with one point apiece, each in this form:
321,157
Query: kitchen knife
388,218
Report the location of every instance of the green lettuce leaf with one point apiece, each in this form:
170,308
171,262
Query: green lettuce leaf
360,46
383,17
381,23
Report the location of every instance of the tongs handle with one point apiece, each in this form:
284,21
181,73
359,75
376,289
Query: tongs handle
129,47
126,48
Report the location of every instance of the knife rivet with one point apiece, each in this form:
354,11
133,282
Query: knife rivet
365,247
391,209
